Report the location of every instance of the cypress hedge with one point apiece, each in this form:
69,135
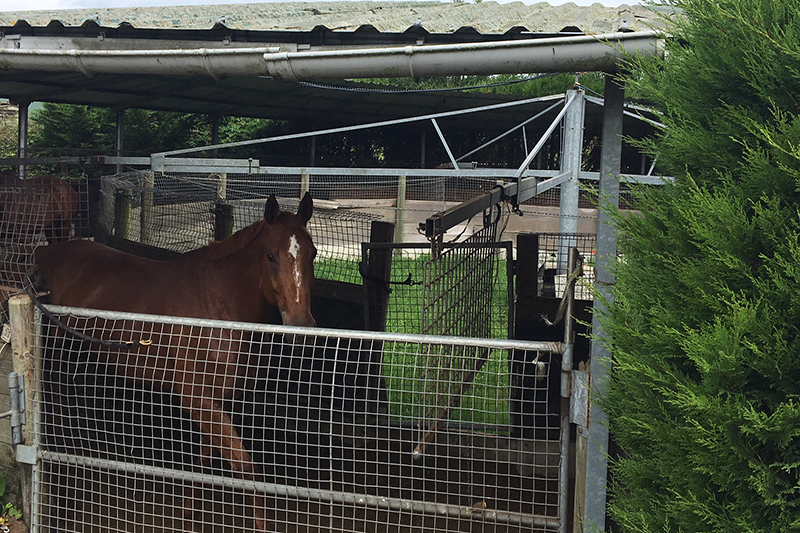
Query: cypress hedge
704,395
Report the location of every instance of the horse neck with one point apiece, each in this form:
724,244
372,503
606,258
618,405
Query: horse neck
233,268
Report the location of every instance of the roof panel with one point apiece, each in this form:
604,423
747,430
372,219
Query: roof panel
386,17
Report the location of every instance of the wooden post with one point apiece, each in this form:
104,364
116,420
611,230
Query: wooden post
222,186
223,221
400,213
146,220
20,309
305,184
122,213
377,270
527,264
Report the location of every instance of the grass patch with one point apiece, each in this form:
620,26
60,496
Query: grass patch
486,399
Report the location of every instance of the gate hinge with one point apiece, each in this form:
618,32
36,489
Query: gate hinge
16,412
579,400
26,454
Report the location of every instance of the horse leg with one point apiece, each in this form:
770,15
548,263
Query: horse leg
190,509
219,433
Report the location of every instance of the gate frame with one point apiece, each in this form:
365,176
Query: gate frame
29,453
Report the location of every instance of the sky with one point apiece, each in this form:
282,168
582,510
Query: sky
25,5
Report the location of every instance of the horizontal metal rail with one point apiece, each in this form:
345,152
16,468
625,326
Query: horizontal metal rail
362,500
494,344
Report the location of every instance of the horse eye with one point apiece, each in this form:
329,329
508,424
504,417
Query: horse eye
271,257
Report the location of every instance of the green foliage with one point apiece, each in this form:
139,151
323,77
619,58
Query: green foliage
705,394
523,85
7,508
8,138
61,129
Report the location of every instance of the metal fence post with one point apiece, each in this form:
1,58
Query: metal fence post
597,448
400,213
572,156
566,392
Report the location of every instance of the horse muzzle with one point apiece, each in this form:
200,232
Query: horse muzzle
306,321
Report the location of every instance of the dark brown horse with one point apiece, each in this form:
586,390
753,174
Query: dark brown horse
39,204
266,266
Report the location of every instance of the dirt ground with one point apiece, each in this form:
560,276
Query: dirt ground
12,525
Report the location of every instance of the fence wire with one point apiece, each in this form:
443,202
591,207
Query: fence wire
35,211
553,250
330,421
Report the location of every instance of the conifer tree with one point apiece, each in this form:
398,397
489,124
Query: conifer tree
704,397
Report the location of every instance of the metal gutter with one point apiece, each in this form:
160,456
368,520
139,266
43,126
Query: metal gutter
559,54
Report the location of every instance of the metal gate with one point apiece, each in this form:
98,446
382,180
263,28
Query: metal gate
331,451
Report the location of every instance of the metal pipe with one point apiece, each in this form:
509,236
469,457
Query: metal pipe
511,130
305,493
571,160
546,134
22,136
444,143
566,392
498,344
557,54
119,141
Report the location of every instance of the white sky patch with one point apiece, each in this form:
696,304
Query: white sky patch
294,249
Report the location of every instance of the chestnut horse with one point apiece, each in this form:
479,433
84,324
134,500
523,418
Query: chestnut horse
39,204
263,267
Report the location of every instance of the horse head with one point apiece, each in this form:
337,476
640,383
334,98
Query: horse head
288,263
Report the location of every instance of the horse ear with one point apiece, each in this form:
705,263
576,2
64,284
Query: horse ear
306,208
271,209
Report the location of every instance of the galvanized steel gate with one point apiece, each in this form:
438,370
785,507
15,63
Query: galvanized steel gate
335,449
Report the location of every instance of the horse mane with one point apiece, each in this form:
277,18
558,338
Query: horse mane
218,250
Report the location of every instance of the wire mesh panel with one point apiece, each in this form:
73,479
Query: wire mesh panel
553,249
181,212
310,430
459,289
33,212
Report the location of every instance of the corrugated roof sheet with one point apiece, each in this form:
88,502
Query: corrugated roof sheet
394,17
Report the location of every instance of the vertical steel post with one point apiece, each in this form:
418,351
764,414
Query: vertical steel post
400,212
119,140
571,158
22,137
597,445
214,120
566,391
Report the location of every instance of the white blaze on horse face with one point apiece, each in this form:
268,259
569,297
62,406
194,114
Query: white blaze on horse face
294,249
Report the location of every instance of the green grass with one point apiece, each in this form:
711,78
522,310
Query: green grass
486,399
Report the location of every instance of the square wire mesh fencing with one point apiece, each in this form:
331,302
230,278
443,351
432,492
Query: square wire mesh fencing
214,426
460,285
182,212
553,276
33,212
395,276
